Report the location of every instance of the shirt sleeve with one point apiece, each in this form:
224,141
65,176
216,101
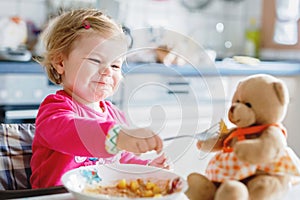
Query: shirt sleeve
63,129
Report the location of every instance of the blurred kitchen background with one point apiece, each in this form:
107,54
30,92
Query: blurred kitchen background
171,100
227,27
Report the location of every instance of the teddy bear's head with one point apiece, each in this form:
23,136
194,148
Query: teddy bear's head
259,99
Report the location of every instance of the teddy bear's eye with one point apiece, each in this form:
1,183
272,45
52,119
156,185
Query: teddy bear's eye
238,101
248,105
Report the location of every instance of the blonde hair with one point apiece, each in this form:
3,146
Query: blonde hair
66,28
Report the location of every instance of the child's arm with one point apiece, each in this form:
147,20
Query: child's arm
60,128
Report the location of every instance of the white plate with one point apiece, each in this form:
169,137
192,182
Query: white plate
75,180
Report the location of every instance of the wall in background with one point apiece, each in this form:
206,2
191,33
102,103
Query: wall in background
219,26
32,10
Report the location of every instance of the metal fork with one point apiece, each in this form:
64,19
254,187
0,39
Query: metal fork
213,130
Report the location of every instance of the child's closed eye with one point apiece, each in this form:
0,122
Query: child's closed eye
116,67
94,60
99,62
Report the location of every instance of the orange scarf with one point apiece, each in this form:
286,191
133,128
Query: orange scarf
240,134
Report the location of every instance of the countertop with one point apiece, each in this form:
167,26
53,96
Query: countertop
223,68
20,67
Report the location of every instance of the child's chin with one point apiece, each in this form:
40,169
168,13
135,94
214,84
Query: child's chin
103,95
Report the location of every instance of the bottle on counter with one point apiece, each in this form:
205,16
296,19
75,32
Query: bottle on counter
252,39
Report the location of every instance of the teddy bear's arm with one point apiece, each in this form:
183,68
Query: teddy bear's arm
263,149
212,144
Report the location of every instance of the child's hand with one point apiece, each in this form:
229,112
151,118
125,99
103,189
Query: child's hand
139,140
160,161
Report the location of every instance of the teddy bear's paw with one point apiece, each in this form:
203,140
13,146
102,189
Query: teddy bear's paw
246,152
242,151
232,190
265,187
200,187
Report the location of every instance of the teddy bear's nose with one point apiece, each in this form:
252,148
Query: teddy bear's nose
231,109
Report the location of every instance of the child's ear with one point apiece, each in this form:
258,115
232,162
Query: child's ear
58,64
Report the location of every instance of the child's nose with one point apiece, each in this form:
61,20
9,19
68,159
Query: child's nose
107,70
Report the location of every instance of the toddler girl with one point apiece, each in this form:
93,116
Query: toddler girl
77,126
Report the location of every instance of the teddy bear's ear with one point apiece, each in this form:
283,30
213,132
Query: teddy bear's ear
281,92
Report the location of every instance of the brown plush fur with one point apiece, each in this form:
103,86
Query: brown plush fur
258,100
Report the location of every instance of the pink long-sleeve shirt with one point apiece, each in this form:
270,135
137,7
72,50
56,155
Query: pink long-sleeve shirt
69,135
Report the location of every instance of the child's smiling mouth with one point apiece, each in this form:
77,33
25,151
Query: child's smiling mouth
103,85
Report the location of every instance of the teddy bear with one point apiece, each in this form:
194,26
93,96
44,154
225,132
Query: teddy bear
251,160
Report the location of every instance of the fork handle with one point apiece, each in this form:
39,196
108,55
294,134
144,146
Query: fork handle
177,137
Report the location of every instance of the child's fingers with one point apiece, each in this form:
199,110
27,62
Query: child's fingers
161,159
151,143
142,146
162,162
159,144
154,142
142,140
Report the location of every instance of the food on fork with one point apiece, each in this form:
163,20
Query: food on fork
223,128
